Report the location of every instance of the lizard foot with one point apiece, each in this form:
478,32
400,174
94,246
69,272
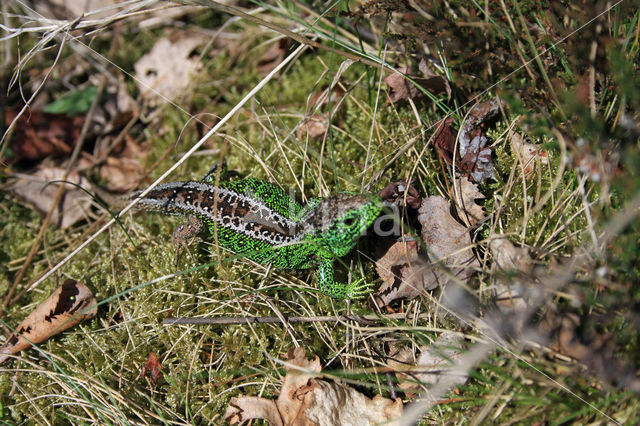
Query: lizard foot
354,290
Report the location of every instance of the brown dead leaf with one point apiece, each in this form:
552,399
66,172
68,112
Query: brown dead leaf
153,367
475,156
69,305
447,240
398,192
321,99
273,56
315,126
465,196
34,190
123,168
507,260
166,71
529,155
306,400
445,139
405,272
38,134
427,368
475,159
401,89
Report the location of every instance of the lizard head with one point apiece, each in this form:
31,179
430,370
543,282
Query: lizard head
337,222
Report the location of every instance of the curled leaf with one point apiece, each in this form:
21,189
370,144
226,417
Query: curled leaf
404,85
35,190
529,155
474,153
69,305
306,400
153,367
405,273
447,240
466,194
398,192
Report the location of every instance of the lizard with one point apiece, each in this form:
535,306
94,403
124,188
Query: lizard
261,222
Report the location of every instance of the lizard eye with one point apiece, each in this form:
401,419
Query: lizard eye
350,221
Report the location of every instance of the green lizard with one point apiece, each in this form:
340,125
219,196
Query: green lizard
258,220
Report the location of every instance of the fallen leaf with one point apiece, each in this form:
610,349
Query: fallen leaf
273,56
314,126
321,99
123,168
509,261
306,400
153,367
37,134
529,155
166,71
402,89
475,156
405,272
35,190
447,240
465,197
69,305
445,139
399,192
431,364
475,159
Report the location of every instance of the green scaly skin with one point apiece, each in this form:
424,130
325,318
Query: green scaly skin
261,222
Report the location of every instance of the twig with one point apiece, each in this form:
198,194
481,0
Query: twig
362,319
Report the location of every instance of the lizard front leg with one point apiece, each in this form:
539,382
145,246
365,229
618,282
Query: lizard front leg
186,233
330,287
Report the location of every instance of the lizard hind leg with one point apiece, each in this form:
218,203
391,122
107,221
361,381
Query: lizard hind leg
186,234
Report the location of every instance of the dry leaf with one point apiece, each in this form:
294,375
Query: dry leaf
273,56
507,259
38,134
398,192
528,154
315,126
33,190
123,168
433,363
445,139
405,272
321,98
475,156
475,159
69,305
446,239
153,367
401,89
166,71
465,195
305,400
